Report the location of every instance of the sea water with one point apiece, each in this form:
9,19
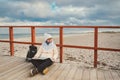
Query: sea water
25,32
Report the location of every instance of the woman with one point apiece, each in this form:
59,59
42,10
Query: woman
45,57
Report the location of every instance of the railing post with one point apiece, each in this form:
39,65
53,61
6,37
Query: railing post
33,35
95,46
61,43
11,37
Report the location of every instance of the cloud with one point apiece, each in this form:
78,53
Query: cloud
61,12
4,19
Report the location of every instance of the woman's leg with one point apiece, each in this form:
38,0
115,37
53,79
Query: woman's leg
41,65
46,63
36,62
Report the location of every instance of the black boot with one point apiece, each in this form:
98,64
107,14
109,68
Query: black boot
33,71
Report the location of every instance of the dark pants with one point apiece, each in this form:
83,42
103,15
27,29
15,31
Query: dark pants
41,64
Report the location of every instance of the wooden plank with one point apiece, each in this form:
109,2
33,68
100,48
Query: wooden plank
115,75
52,69
118,72
20,73
70,75
64,72
9,66
5,59
100,75
20,70
93,74
86,74
9,61
78,74
12,69
26,75
13,72
57,73
108,75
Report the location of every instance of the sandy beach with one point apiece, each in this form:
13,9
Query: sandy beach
83,57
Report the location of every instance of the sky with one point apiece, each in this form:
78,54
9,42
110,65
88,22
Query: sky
60,12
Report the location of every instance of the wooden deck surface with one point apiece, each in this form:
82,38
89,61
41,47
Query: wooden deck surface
14,68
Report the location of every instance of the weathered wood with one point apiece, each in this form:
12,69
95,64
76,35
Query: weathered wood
57,73
39,76
9,66
16,74
93,74
52,70
5,60
118,73
108,75
115,75
65,71
78,74
72,73
13,71
100,75
18,69
86,74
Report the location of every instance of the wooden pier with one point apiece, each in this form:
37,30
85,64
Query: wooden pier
15,68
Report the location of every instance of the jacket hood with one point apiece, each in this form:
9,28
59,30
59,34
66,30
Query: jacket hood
47,36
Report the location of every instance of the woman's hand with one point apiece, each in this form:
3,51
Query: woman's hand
34,58
53,60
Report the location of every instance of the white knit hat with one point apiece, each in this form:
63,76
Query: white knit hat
47,36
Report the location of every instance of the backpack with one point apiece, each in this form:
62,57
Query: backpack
31,53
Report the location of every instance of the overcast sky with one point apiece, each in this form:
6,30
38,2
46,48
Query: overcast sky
59,12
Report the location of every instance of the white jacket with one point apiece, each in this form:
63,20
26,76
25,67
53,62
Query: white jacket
47,51
43,54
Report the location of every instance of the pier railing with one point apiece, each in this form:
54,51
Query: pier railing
61,45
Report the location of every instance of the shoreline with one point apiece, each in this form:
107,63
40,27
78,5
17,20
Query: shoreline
64,34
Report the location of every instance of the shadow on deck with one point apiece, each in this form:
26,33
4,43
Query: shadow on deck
15,68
